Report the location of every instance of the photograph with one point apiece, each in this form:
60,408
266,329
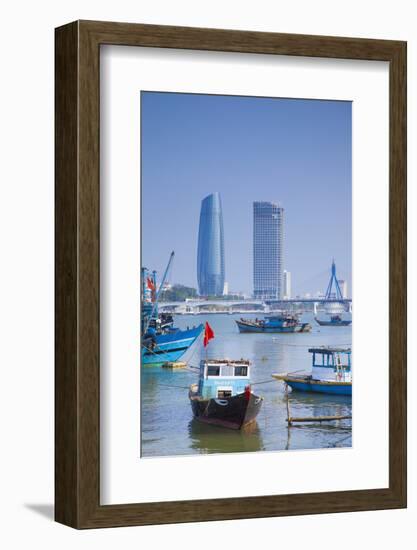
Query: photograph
206,228
246,274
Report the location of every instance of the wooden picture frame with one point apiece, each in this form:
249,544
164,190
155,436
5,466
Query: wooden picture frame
77,382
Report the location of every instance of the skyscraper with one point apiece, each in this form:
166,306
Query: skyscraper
268,222
343,287
287,285
210,254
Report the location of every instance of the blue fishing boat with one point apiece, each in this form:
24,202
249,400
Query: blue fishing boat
223,395
331,372
334,321
276,323
161,341
169,346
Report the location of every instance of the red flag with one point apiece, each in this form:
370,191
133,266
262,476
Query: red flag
150,284
208,334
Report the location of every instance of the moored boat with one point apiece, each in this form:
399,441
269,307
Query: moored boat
274,324
334,321
161,341
170,346
331,372
223,395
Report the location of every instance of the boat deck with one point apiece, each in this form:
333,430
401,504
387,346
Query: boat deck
227,361
304,378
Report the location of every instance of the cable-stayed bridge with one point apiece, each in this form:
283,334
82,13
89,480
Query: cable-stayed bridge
332,297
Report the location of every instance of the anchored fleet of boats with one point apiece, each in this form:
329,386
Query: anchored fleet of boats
223,394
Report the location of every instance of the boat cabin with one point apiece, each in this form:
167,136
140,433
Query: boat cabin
331,364
220,378
282,319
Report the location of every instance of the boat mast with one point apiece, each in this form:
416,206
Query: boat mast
155,304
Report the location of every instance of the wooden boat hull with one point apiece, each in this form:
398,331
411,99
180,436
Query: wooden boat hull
245,327
344,323
234,412
318,386
170,347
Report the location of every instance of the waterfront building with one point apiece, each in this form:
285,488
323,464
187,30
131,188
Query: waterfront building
343,288
287,285
226,289
268,222
210,253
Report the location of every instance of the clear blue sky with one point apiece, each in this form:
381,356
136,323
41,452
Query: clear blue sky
296,152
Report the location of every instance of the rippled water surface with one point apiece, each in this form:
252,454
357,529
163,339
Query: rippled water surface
167,424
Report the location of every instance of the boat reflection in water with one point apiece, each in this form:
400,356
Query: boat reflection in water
337,433
215,439
312,404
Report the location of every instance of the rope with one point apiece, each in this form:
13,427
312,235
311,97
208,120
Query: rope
157,354
173,386
262,382
195,344
275,339
339,441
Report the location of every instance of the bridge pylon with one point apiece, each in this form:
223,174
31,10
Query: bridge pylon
335,282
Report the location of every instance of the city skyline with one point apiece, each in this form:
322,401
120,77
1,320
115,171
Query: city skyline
297,152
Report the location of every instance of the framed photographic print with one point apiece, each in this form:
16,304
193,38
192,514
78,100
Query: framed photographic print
230,274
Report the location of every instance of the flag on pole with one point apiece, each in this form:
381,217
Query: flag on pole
150,284
208,334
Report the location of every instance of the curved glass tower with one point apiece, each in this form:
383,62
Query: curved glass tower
210,254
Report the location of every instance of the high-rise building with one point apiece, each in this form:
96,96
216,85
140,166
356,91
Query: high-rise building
343,288
287,285
268,228
210,254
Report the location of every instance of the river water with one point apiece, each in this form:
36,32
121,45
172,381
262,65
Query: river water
167,425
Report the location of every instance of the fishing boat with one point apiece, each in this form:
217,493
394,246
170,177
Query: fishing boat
170,346
331,372
161,341
277,323
223,394
334,321
164,322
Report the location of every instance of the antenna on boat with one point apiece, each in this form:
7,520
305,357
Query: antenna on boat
155,304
